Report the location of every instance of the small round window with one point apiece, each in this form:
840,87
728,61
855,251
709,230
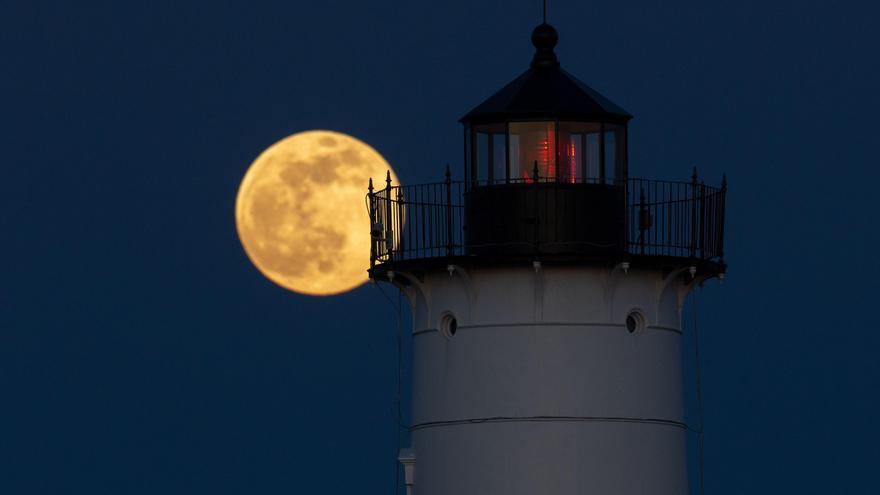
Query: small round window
635,321
448,324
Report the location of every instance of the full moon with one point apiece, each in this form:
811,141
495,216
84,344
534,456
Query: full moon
301,214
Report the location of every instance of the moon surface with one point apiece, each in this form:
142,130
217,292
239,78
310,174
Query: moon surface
301,214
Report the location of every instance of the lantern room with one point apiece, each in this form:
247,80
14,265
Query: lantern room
545,165
545,125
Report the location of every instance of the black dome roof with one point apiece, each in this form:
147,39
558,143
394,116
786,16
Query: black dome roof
546,91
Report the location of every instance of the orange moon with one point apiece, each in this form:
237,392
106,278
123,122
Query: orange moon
301,214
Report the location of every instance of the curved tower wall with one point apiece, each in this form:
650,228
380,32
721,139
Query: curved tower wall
542,388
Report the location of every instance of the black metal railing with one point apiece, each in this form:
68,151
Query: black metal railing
681,219
663,218
415,222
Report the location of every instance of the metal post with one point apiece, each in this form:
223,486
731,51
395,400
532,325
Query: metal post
466,160
720,220
399,223
643,221
626,216
449,243
389,244
601,153
702,220
693,246
372,212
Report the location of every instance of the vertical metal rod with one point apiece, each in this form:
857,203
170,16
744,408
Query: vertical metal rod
683,214
721,218
625,157
601,153
626,215
473,156
466,130
408,232
668,216
448,212
389,244
431,208
398,225
693,231
642,221
424,228
435,208
460,210
652,214
372,213
702,190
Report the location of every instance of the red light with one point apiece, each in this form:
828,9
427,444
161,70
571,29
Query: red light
545,152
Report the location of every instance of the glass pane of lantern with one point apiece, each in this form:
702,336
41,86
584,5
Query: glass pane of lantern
515,173
592,157
532,142
482,152
579,151
610,154
615,153
488,155
499,158
571,154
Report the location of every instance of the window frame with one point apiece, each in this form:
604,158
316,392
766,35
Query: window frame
621,152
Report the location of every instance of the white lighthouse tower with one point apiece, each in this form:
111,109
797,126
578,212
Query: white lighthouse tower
546,290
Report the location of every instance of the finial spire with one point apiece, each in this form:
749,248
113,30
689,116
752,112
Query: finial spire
545,11
544,38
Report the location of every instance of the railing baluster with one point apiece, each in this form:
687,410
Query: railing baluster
423,224
702,221
693,232
398,223
448,211
721,214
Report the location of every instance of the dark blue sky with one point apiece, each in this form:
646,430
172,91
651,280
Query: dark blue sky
141,353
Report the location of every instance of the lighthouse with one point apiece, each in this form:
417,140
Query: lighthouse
546,288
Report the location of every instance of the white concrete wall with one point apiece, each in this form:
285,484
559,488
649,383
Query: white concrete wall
542,389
